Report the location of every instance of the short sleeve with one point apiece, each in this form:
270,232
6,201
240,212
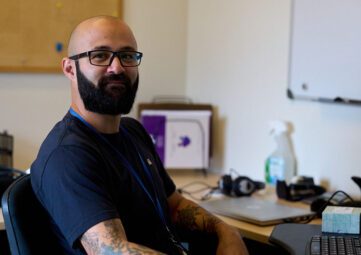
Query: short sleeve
74,193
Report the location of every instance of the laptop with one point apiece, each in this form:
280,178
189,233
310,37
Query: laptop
256,211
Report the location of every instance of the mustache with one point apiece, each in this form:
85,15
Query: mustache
114,77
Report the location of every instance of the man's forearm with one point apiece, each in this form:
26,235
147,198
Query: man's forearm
108,238
188,215
193,217
123,247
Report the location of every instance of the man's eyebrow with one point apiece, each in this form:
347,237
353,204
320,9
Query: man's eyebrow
128,48
101,48
108,48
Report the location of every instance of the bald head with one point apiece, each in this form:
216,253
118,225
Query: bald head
115,82
97,30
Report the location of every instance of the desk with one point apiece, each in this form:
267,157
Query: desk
251,231
2,225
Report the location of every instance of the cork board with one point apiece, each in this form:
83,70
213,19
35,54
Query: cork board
34,33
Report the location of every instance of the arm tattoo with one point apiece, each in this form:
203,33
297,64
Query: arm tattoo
209,224
125,249
112,242
187,217
113,232
91,241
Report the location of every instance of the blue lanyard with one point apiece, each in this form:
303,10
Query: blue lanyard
155,201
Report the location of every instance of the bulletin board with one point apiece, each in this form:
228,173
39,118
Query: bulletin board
34,33
325,59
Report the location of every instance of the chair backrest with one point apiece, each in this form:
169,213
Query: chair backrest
7,176
26,223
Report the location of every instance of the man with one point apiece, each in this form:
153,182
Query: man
97,174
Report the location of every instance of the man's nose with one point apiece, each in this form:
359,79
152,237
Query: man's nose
116,66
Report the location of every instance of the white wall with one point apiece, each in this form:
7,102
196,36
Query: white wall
233,54
160,27
30,104
237,59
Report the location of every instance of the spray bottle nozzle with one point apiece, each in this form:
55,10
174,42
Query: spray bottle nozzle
277,127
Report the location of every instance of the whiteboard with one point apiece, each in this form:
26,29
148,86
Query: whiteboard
325,53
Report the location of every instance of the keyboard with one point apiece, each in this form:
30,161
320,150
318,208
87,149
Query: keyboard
334,244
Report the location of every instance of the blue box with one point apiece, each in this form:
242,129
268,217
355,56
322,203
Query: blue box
343,220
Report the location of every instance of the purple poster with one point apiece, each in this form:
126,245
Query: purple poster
155,125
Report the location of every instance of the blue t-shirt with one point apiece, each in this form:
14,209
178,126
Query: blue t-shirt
81,181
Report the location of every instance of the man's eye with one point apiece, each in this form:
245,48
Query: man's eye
127,57
100,55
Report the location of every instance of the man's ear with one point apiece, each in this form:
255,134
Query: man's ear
69,68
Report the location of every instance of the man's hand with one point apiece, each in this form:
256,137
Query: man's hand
108,237
229,241
187,214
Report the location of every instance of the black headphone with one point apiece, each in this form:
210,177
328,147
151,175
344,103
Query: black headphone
303,188
241,186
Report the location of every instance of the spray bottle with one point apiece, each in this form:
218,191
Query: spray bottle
280,165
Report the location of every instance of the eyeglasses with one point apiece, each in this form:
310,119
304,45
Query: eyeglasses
105,57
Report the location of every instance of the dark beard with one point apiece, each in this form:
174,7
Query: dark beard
98,99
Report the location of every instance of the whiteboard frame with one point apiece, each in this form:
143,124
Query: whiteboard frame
325,51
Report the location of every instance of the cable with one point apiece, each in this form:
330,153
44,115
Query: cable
324,206
232,170
208,195
205,197
191,193
196,182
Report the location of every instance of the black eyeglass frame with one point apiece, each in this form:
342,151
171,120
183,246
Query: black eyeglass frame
114,53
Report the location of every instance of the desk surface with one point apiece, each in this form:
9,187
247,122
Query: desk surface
2,225
251,231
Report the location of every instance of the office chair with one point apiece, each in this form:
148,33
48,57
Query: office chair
7,176
24,217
